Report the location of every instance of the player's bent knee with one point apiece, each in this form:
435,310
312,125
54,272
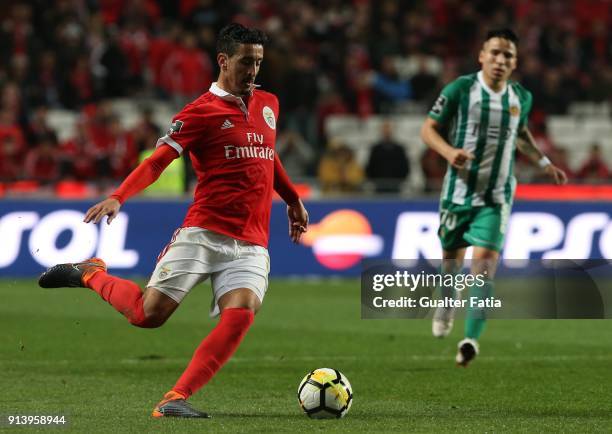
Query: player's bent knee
153,321
158,307
240,298
484,253
145,323
484,260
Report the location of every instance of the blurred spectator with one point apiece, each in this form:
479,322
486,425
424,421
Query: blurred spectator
17,35
390,90
142,14
114,74
10,128
41,162
123,152
46,83
434,167
38,125
80,88
204,13
388,166
146,132
77,155
331,104
187,72
134,41
356,81
594,169
125,40
600,85
11,159
552,98
296,153
159,48
424,81
386,44
11,101
339,171
302,95
324,58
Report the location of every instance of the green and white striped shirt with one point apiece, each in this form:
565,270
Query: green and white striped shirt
485,123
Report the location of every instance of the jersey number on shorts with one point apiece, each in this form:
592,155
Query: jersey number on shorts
448,220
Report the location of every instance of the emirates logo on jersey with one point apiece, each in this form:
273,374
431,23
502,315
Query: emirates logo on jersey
269,117
238,152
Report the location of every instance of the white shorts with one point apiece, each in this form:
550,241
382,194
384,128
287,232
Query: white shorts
194,254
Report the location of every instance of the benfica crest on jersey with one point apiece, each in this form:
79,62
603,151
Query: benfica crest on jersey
175,127
269,117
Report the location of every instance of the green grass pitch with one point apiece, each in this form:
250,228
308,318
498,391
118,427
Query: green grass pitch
67,352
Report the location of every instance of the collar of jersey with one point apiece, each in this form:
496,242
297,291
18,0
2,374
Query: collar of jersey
226,96
488,89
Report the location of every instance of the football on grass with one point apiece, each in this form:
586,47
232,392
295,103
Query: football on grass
325,394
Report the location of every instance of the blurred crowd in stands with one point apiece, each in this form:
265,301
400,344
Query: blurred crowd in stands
325,57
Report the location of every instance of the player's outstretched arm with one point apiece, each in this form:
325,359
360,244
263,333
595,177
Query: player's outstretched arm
527,145
144,175
430,134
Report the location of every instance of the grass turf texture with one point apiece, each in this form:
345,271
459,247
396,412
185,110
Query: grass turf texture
67,352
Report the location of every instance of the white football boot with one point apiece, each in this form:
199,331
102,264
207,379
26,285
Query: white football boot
443,320
467,350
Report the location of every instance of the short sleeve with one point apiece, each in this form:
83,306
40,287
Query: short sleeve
526,103
187,128
446,106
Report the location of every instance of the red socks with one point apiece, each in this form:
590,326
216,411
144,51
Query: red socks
125,296
215,350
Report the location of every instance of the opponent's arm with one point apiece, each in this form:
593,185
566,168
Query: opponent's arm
297,214
141,177
430,134
527,145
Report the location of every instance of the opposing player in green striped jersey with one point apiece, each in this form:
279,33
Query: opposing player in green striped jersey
476,124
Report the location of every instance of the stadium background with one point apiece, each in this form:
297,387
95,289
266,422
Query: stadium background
87,87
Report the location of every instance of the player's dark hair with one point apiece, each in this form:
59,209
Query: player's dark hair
234,34
503,33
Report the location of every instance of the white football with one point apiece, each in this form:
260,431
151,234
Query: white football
325,393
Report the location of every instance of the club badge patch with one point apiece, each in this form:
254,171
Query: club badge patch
269,117
163,273
175,127
439,105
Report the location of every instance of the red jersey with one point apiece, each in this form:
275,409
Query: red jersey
231,146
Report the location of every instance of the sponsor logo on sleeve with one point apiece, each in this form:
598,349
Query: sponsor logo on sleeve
175,127
439,105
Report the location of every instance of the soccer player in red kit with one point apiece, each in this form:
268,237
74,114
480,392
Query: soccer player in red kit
229,133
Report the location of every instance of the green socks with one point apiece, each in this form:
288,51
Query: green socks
476,317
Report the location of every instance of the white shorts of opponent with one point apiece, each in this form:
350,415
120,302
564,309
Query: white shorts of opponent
194,254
